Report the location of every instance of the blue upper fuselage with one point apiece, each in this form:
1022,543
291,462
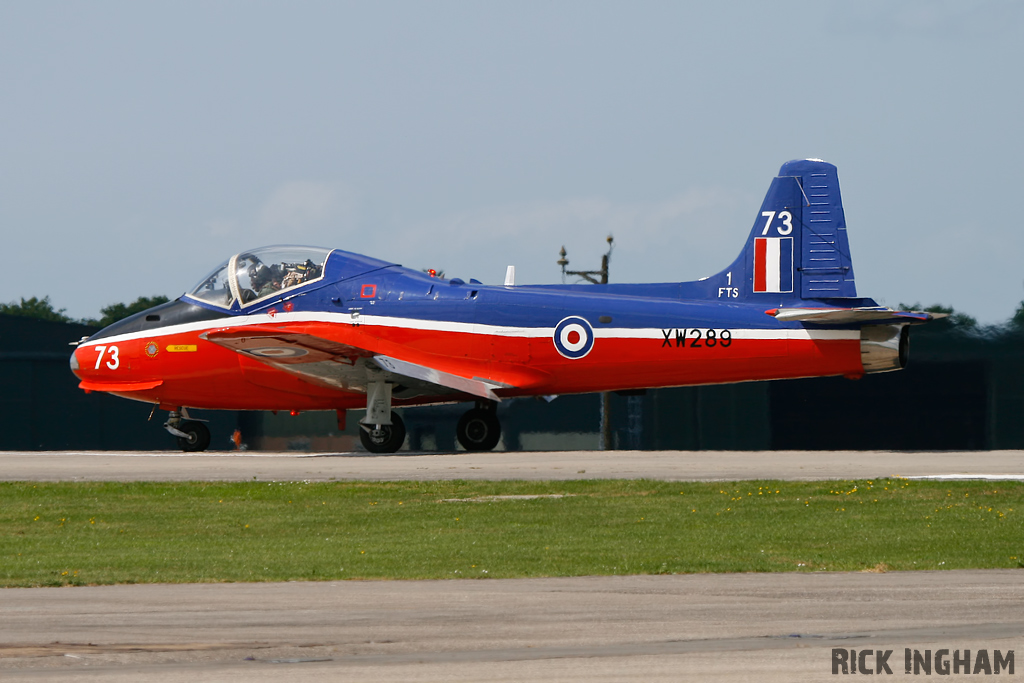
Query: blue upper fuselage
353,282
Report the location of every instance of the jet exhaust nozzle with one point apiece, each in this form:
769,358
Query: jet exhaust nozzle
884,348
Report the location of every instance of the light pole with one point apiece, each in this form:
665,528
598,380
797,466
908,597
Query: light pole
588,275
597,277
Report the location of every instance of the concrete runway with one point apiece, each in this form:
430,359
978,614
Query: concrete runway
738,627
664,465
730,627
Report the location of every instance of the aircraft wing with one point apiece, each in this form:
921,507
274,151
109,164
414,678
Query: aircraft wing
332,364
844,316
402,368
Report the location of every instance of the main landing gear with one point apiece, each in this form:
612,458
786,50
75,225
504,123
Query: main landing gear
382,430
478,428
192,436
382,438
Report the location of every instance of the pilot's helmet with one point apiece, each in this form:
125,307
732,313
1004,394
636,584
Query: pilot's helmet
259,275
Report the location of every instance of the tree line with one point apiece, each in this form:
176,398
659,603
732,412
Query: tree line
42,309
964,322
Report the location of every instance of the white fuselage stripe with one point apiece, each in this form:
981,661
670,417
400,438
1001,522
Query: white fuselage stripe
451,326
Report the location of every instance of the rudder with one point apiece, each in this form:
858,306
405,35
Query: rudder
826,267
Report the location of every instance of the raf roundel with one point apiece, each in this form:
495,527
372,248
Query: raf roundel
574,337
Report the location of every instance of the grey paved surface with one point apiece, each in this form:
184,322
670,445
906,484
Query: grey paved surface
767,627
670,465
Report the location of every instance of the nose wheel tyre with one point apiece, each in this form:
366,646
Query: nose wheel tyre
198,438
383,438
478,430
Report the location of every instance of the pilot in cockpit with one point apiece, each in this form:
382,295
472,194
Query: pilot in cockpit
254,275
265,281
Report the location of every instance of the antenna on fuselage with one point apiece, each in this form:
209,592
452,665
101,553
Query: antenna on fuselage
510,276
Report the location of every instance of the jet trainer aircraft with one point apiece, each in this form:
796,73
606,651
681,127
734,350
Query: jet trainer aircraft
303,328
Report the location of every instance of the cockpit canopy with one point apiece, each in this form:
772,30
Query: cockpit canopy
252,276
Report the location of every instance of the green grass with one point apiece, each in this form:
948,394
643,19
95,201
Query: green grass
99,533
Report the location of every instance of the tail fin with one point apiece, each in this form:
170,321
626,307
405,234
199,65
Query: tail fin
798,248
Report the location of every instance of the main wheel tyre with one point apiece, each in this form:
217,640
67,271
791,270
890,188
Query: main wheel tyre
478,430
383,439
198,437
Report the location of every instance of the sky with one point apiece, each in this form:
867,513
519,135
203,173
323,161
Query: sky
141,144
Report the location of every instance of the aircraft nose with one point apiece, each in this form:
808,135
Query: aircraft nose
73,361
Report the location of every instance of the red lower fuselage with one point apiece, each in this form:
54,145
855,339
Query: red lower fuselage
176,366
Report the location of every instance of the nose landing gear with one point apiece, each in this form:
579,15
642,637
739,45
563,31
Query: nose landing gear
479,428
192,436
